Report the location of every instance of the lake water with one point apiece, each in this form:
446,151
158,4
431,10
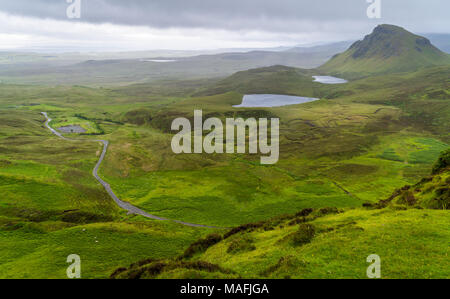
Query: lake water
158,60
71,129
329,80
272,100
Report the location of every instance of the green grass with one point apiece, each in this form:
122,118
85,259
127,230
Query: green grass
40,250
358,144
49,198
390,154
428,151
333,255
411,244
333,152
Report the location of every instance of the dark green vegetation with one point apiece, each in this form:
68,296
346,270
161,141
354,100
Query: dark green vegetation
388,49
432,192
442,163
356,146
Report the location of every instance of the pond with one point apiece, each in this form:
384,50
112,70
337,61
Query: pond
158,60
272,100
72,129
329,80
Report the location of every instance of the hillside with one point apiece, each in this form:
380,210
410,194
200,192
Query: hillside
388,49
330,49
274,79
327,242
431,192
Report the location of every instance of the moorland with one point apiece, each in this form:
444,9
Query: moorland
356,175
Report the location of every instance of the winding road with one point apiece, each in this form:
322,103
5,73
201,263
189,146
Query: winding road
124,205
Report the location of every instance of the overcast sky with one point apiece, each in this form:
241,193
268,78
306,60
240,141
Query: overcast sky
119,25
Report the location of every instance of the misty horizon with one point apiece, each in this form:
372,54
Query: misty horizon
112,26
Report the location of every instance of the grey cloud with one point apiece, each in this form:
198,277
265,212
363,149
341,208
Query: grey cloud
266,15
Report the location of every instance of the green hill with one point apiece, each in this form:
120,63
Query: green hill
388,49
274,79
327,242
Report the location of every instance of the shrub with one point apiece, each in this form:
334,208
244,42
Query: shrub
81,217
246,243
327,211
304,235
297,221
408,198
244,227
117,272
140,117
154,269
284,264
143,263
443,162
443,198
201,245
135,273
304,213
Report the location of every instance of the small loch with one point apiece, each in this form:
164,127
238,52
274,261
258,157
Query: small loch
272,100
158,60
329,80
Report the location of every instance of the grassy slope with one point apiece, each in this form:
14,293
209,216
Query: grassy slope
411,244
52,207
275,79
409,231
432,192
410,238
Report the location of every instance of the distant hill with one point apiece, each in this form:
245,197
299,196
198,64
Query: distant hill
102,71
273,79
331,49
388,49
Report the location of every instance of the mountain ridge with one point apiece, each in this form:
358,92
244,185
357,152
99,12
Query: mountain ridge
388,49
